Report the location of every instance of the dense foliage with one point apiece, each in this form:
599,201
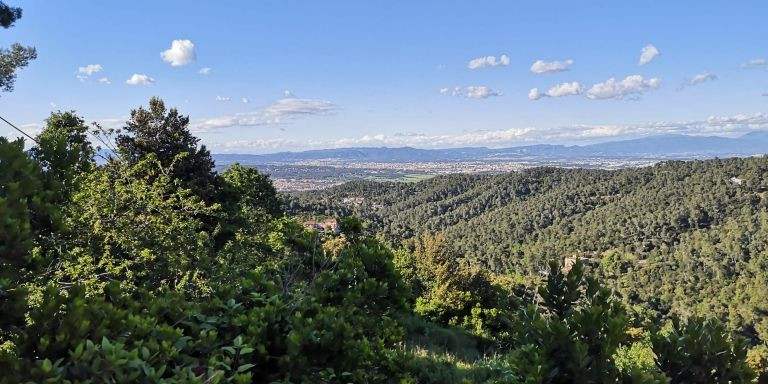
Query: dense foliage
148,266
675,239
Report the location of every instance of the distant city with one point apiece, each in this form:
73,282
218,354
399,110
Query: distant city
319,169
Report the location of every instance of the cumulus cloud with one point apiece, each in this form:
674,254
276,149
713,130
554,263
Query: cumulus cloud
223,98
566,89
481,92
541,66
631,85
562,89
83,73
245,100
281,111
140,79
471,92
104,81
53,105
456,91
204,71
181,52
647,54
488,61
534,94
755,63
90,69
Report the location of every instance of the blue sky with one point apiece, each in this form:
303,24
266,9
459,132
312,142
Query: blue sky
352,73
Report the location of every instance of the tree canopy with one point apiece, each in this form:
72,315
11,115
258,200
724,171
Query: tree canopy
18,56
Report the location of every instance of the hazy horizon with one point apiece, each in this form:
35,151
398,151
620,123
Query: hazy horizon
534,143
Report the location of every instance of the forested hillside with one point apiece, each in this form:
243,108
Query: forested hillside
148,266
683,238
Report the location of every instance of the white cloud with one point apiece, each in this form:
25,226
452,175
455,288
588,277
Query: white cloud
140,79
104,81
35,129
562,89
258,145
455,91
291,107
281,111
648,53
223,98
112,122
471,92
732,126
483,138
631,85
566,89
610,89
181,52
90,69
541,66
698,79
245,100
755,63
702,78
204,71
481,92
32,129
488,61
211,124
84,73
714,125
53,105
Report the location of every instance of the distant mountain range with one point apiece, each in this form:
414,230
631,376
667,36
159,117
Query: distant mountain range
657,147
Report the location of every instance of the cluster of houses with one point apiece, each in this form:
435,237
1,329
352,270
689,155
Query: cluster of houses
759,191
327,225
358,201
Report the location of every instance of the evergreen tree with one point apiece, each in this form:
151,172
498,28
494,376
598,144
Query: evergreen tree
165,133
26,206
253,189
11,60
64,151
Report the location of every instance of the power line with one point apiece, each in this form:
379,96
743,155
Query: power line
17,128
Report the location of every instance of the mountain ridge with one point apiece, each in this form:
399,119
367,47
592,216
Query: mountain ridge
662,146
